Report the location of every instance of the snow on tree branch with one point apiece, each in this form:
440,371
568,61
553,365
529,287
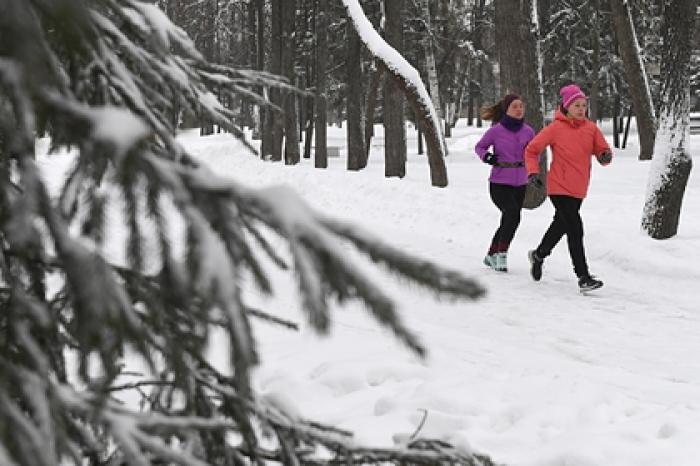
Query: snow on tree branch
408,79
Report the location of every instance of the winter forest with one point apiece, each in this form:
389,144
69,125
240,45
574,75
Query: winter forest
324,232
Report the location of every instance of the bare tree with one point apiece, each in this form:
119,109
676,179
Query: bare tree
672,162
636,76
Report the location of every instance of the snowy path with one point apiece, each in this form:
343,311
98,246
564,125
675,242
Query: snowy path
535,373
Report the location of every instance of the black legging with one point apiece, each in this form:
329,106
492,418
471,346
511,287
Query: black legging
509,200
567,221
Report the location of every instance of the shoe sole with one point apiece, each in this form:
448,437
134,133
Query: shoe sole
590,288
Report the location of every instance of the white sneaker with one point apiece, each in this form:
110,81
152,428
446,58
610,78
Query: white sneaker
490,261
501,261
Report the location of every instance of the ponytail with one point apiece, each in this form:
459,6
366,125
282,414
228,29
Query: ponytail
493,113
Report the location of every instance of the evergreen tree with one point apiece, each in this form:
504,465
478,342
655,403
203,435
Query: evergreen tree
105,79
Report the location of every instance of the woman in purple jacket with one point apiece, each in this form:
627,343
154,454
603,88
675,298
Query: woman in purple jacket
503,147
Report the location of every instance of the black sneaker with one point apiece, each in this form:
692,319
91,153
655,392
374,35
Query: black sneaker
588,283
535,265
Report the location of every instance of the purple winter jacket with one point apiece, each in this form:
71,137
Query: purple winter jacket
509,146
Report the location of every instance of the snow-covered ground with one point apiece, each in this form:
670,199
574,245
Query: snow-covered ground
534,373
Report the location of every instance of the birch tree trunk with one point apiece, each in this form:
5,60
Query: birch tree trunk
636,76
672,163
321,152
372,94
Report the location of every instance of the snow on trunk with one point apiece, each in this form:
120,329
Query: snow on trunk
672,163
408,79
668,175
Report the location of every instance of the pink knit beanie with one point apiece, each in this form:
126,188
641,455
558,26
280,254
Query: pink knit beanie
569,94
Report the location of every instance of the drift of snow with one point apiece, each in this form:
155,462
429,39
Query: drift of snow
534,374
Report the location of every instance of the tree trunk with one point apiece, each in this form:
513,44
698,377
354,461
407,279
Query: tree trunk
353,98
309,126
419,138
291,138
636,76
431,69
672,161
247,109
394,123
260,43
593,107
447,120
519,59
272,135
320,142
207,46
369,111
478,67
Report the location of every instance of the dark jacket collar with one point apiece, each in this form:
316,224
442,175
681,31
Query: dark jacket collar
512,124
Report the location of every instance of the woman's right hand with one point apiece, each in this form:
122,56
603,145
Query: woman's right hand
605,157
491,159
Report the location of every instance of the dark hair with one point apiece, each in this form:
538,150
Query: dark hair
497,110
494,112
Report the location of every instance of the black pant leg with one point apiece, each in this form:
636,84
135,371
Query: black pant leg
554,233
569,208
509,200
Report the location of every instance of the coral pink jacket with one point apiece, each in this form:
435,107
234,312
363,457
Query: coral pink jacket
573,142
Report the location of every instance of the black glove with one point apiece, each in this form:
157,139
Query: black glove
491,159
534,180
605,158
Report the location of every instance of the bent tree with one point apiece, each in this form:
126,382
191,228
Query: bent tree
407,78
671,165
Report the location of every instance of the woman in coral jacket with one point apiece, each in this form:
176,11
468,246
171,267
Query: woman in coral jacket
573,140
503,146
